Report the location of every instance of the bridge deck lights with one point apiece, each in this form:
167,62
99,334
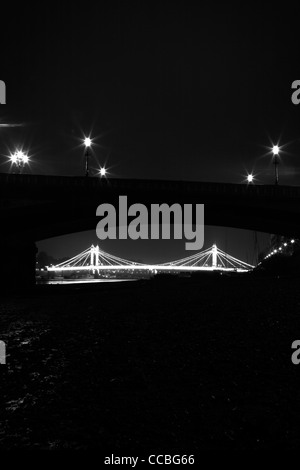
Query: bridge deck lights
94,258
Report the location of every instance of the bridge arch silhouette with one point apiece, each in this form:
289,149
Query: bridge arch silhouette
36,207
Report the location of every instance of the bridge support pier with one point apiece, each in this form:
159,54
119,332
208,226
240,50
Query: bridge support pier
17,264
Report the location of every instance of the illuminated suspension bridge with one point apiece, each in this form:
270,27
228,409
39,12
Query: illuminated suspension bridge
95,260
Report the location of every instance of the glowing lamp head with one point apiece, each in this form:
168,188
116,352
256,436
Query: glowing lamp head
19,158
13,158
87,142
250,178
102,171
275,149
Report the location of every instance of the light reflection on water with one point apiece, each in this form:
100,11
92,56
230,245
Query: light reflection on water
81,281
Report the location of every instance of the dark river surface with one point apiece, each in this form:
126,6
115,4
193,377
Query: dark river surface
162,365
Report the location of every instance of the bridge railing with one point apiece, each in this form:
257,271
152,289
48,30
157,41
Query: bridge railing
30,182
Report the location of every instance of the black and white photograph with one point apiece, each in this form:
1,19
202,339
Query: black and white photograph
150,229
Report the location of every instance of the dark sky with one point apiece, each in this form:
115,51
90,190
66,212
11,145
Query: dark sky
168,90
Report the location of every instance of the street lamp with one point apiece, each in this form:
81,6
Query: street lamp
102,171
276,161
20,159
250,178
87,143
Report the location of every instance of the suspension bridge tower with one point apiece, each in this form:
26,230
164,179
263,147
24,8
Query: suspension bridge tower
214,252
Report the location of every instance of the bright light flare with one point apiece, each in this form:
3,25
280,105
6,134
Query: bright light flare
19,157
20,154
250,178
102,171
275,149
13,158
87,141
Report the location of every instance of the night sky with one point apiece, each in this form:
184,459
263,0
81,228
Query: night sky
168,91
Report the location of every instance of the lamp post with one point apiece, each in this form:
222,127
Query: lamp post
276,161
87,143
20,159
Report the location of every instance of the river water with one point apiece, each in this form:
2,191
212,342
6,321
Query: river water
193,364
81,281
